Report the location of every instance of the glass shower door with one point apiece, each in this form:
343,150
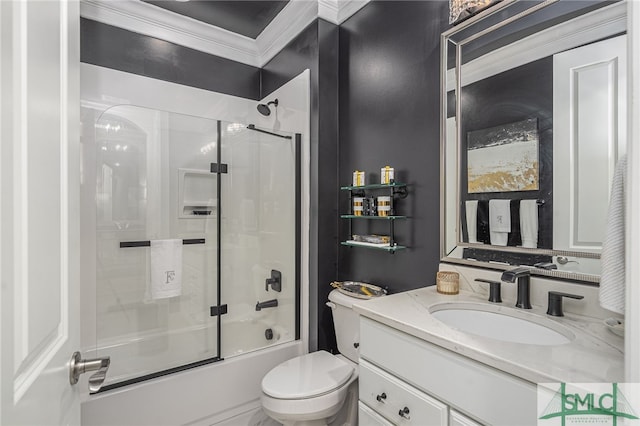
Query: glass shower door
197,241
259,275
154,183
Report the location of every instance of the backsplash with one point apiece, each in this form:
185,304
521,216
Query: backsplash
589,306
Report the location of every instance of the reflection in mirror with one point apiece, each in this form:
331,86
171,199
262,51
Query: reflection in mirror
534,118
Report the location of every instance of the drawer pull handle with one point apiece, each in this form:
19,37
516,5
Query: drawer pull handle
381,397
356,345
404,413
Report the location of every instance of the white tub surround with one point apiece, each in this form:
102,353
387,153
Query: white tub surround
595,355
201,393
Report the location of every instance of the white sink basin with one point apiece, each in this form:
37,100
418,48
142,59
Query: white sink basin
501,323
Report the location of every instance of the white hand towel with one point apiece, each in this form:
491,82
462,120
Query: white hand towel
612,279
499,221
529,223
166,268
471,207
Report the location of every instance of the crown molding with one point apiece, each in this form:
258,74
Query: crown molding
144,18
147,19
329,10
348,8
290,22
338,11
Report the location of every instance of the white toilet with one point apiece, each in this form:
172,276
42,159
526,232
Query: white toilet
319,388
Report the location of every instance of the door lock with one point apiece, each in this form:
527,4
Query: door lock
77,366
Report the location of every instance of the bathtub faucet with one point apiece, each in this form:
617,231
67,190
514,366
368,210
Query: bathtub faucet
267,304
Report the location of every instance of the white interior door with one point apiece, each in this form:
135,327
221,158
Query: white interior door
589,133
39,177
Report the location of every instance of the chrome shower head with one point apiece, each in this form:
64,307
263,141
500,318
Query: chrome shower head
264,108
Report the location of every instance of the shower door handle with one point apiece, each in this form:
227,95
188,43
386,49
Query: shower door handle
77,366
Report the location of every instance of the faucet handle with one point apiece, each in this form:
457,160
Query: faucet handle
275,281
494,290
554,307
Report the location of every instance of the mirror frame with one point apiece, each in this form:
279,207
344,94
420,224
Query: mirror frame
445,42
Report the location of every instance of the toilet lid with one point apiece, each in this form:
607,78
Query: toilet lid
306,376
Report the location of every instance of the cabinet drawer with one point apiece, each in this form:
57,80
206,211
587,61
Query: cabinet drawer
491,396
398,402
368,417
457,419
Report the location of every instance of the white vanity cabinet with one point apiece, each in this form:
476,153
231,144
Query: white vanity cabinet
436,386
458,419
368,417
396,400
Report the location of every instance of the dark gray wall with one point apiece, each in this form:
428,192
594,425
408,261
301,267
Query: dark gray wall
389,115
112,47
316,49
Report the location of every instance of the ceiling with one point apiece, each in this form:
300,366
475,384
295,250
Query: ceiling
248,18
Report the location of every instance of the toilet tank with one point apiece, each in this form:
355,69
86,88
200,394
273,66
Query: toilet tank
346,322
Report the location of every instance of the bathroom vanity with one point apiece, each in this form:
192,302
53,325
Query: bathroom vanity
415,369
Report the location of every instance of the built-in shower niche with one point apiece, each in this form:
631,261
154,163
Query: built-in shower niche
196,192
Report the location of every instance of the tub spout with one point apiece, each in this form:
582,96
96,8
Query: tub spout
267,304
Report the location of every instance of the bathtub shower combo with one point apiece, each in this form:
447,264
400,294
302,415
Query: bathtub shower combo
197,242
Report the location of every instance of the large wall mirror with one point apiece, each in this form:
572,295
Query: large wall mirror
533,123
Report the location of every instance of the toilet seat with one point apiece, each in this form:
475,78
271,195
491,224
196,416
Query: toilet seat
307,376
312,409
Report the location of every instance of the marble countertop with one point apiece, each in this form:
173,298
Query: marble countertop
595,355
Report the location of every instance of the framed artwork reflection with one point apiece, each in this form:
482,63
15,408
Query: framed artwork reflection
504,158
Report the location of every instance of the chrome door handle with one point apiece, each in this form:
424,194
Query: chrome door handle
77,366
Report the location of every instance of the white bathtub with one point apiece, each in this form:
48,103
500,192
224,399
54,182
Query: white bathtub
199,396
134,357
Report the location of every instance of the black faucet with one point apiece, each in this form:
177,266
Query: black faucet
522,275
555,302
267,304
275,281
494,290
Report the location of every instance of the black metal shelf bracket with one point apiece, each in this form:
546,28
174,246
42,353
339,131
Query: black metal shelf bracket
400,192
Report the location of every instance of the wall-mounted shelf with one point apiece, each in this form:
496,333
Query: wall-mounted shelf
351,216
375,186
383,247
395,190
